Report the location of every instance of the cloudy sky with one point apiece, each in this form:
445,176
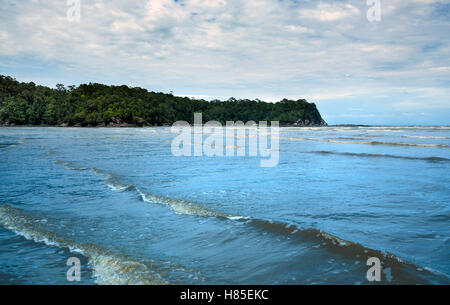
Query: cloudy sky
392,71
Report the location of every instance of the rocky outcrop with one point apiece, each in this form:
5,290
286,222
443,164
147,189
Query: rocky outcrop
312,123
115,122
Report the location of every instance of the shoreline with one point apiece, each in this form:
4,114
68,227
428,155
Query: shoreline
128,126
169,125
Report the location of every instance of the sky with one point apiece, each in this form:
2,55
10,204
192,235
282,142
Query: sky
356,67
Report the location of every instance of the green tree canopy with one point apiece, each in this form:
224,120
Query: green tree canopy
100,105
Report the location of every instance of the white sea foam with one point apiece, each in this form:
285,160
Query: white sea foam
108,268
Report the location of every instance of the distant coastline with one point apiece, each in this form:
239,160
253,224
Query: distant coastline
129,126
281,125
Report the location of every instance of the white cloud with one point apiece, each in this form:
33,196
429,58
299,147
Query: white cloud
330,12
440,69
268,49
297,29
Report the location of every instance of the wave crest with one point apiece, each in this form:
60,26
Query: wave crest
367,155
108,268
402,269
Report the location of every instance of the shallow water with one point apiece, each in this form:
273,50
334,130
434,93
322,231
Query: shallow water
135,214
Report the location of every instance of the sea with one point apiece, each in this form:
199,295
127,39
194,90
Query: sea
130,211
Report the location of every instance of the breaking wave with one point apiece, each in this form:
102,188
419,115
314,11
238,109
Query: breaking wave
366,142
402,269
367,155
112,181
107,267
424,137
403,144
6,145
69,165
185,207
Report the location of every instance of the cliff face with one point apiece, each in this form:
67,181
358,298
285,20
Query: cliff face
315,120
102,105
308,115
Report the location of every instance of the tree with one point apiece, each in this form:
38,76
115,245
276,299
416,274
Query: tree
94,104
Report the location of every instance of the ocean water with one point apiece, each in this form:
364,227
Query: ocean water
133,213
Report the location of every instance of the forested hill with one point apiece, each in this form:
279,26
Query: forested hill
101,105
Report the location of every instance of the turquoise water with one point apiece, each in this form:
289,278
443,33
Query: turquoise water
133,213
